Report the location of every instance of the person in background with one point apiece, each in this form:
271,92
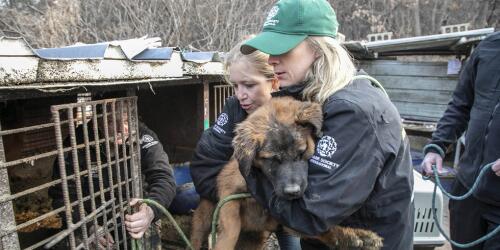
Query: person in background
475,107
361,173
155,168
253,81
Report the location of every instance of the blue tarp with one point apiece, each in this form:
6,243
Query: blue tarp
97,51
92,51
155,54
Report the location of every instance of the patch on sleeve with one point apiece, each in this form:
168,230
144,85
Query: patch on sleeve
148,141
219,124
325,148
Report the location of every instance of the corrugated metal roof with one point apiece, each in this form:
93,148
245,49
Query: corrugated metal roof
449,43
132,59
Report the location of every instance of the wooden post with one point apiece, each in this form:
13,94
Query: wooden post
206,104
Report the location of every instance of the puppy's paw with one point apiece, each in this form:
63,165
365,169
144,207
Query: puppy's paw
371,240
349,241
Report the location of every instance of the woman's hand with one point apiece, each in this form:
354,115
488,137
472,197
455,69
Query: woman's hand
139,222
496,167
432,159
104,241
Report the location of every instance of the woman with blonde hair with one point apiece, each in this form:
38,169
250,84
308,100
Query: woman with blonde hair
253,81
361,174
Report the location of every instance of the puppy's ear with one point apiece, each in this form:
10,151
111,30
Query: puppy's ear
245,147
310,114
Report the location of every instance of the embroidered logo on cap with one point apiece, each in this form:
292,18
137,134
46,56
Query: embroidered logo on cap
272,13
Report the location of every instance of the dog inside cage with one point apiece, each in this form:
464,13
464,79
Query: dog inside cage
68,177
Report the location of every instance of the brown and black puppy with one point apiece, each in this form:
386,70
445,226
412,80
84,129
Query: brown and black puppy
279,139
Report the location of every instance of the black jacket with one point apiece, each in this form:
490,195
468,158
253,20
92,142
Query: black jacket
360,174
475,107
160,183
214,149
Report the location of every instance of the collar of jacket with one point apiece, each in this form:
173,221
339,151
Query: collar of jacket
294,91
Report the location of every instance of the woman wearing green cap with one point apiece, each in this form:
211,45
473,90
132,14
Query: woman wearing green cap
360,174
253,81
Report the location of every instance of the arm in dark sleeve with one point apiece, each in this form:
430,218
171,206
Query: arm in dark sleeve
213,151
341,175
157,171
454,121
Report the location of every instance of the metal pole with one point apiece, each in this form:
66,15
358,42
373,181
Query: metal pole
62,170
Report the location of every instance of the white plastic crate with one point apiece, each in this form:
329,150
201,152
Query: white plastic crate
425,229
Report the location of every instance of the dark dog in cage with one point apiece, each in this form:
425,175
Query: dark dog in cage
279,139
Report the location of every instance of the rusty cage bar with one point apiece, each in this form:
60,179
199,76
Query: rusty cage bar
96,173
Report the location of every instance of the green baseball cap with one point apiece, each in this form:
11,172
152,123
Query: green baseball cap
289,22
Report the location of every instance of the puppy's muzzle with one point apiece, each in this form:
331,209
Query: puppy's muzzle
292,190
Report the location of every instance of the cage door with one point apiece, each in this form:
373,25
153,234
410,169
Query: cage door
99,169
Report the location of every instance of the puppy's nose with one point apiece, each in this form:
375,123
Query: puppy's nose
292,189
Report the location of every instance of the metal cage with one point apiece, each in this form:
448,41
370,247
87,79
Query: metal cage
95,174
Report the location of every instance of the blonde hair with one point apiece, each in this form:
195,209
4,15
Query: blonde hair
330,72
256,59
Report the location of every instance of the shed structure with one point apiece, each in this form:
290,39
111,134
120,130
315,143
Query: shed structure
48,93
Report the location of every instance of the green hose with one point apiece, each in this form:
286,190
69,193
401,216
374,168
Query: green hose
462,197
137,243
215,217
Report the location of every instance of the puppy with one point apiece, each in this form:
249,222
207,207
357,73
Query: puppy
279,139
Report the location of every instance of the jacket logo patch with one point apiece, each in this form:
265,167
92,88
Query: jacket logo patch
147,139
148,145
327,146
324,163
222,120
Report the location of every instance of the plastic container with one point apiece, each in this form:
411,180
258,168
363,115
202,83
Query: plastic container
186,198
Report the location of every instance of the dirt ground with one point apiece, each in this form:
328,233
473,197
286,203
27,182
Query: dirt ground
169,235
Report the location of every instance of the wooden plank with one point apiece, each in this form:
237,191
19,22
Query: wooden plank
420,96
399,68
206,105
18,70
417,83
432,112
